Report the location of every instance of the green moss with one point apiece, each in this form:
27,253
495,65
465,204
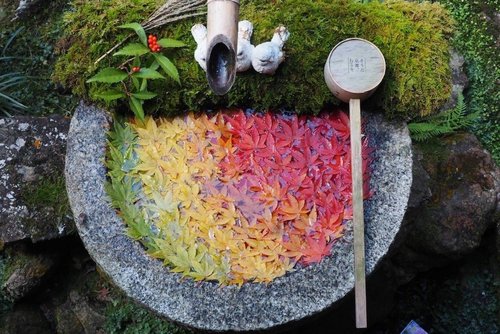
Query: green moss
48,192
123,316
10,260
413,38
475,39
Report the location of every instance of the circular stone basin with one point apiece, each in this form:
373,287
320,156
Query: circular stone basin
254,306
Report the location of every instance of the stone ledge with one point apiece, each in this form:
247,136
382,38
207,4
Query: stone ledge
32,151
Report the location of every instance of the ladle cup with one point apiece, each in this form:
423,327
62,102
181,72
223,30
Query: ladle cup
353,71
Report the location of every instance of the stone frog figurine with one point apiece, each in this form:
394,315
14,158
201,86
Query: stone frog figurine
269,55
245,47
199,32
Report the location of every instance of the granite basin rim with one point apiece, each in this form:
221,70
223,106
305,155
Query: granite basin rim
295,296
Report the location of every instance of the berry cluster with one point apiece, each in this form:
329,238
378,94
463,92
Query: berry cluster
136,69
153,44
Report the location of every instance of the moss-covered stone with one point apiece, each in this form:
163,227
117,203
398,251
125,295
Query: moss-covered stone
412,36
25,270
48,192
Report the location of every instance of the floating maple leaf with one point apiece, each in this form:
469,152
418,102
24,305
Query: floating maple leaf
316,249
236,196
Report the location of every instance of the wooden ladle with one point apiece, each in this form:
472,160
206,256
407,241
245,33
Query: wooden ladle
353,71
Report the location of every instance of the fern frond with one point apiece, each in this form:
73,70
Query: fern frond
443,123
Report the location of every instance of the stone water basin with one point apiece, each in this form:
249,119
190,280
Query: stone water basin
254,306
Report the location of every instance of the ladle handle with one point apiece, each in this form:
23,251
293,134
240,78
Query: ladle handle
357,212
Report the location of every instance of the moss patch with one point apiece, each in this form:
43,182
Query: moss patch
477,39
412,36
48,192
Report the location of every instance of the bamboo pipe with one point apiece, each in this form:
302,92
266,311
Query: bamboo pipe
222,43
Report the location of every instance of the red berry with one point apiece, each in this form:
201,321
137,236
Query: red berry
136,69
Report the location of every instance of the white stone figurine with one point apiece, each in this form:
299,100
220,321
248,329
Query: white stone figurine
199,32
245,47
269,55
265,58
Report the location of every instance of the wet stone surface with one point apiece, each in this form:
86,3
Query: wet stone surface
32,156
302,293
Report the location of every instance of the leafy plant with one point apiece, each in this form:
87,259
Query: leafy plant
8,104
125,317
8,81
131,81
443,123
32,53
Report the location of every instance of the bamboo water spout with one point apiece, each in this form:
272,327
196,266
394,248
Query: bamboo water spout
222,43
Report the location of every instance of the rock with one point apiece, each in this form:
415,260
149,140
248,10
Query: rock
204,305
456,194
25,319
77,315
91,320
66,321
26,270
33,202
26,7
465,185
459,79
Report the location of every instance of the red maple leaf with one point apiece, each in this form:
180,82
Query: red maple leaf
316,249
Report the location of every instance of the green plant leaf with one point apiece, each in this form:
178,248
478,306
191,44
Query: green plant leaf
133,49
144,95
167,66
144,85
139,30
136,83
110,95
8,103
136,106
170,43
154,65
137,61
147,73
109,75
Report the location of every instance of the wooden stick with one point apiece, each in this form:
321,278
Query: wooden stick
357,212
112,49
